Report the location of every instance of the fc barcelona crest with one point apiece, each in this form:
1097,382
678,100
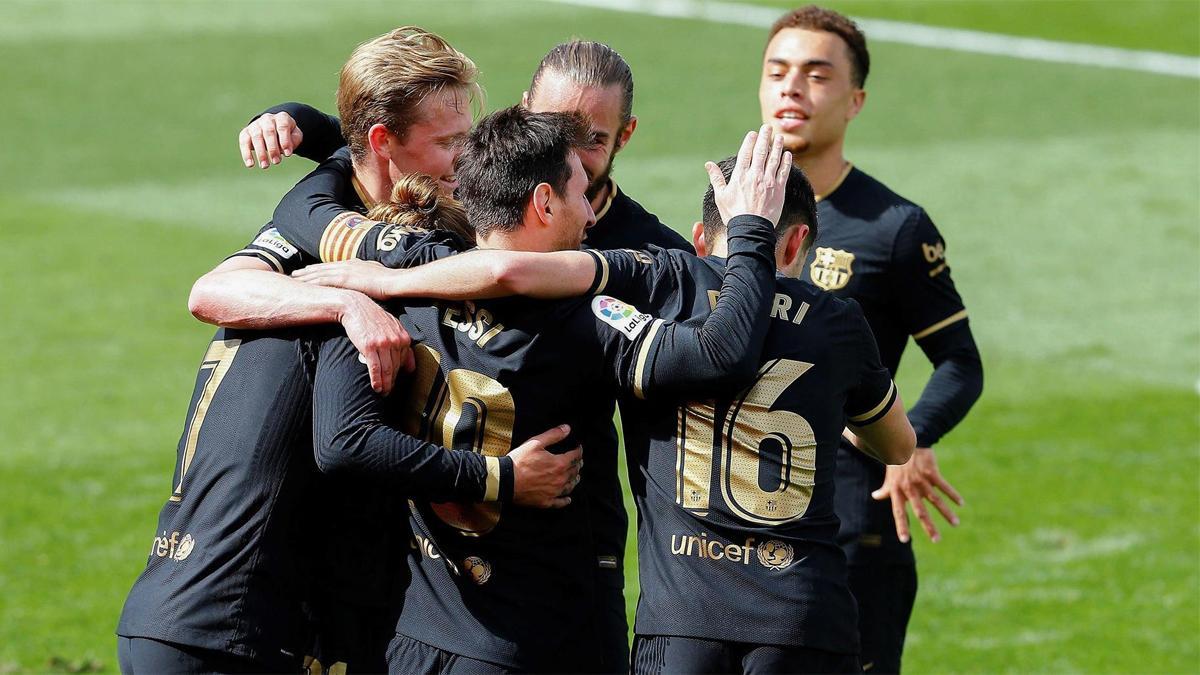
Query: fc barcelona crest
832,268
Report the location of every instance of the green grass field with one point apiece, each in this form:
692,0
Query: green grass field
1069,195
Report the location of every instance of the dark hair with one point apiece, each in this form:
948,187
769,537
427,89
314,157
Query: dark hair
507,155
416,202
799,205
590,63
812,17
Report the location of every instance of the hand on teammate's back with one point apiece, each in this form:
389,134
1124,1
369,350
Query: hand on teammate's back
269,138
541,478
759,177
382,343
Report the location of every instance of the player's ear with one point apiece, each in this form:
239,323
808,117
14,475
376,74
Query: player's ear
525,100
540,203
698,239
626,133
857,100
793,243
379,140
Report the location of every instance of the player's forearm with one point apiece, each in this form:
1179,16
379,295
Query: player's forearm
379,452
891,439
492,274
723,354
953,387
258,299
352,433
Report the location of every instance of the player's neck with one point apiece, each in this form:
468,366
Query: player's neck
521,239
825,170
601,198
374,180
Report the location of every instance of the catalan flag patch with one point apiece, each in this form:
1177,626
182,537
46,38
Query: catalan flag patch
343,235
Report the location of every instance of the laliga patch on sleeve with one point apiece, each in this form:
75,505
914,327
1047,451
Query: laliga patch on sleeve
273,241
624,317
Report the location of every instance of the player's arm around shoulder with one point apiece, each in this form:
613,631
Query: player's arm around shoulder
473,275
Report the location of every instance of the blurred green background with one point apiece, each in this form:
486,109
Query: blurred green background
1069,197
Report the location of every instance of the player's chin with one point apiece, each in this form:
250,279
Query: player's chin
794,143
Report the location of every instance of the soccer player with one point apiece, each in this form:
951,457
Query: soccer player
883,251
227,571
578,76
585,77
406,97
737,535
498,590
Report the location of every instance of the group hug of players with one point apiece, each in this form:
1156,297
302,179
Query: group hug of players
400,452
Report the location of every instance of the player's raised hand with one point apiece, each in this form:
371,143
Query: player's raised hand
913,483
382,343
759,177
541,478
269,138
364,276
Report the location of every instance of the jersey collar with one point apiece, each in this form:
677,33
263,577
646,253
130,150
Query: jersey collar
362,192
838,183
612,193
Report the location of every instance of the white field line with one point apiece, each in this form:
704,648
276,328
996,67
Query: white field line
881,30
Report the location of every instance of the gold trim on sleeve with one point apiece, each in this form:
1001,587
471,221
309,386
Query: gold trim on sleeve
639,372
953,318
603,272
270,259
491,490
887,398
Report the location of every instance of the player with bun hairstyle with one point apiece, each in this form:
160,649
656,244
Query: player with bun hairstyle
416,202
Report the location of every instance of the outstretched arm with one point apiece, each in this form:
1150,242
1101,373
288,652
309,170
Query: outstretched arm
473,275
245,291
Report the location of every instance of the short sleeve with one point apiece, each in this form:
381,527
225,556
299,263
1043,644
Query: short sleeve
618,333
270,246
871,392
318,215
924,290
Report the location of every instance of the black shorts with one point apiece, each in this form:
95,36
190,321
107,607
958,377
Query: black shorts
612,624
406,656
143,655
660,655
885,596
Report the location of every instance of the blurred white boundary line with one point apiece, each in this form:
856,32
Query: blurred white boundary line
881,30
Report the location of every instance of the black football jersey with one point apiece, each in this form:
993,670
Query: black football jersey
624,223
512,585
884,252
735,495
223,571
